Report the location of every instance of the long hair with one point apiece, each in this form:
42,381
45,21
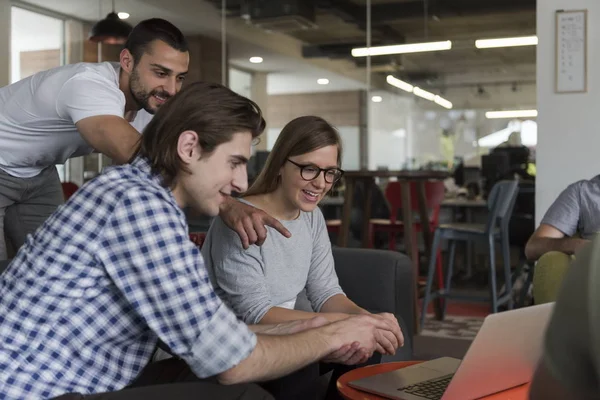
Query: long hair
300,136
211,110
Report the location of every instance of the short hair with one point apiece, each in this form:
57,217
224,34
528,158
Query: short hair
211,110
300,136
153,29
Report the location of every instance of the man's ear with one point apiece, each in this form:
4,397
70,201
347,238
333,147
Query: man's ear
188,148
126,60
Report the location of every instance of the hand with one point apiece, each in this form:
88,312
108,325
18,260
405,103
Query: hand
364,329
389,340
249,222
348,355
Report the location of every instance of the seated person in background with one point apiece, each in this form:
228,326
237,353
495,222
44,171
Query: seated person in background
87,298
262,284
570,364
569,223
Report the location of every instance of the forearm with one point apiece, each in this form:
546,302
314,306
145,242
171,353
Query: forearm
277,315
276,356
342,304
110,135
536,247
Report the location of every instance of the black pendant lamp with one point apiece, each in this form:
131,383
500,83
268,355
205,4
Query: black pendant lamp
110,30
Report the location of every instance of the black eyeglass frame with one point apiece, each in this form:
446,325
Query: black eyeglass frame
326,170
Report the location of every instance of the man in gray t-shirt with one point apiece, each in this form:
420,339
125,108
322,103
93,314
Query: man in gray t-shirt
570,222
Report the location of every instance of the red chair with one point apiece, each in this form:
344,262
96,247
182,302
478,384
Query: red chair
434,195
69,188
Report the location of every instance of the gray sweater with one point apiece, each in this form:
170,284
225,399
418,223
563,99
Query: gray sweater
254,280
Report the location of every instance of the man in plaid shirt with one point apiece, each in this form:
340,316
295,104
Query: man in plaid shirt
86,300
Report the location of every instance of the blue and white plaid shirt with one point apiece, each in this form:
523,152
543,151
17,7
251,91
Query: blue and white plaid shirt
87,297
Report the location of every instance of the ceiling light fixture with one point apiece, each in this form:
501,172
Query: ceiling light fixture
376,99
424,94
401,48
110,30
399,83
123,15
442,102
418,91
506,42
511,114
256,60
323,81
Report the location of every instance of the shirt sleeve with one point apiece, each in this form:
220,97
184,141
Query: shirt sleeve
148,255
564,213
568,347
88,95
238,273
322,281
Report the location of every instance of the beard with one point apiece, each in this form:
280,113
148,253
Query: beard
141,95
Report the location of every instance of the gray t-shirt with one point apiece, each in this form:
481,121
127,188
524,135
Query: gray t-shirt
572,345
577,209
254,280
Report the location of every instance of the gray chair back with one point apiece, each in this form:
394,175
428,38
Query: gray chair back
501,202
4,265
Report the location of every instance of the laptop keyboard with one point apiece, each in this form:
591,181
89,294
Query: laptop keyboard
432,389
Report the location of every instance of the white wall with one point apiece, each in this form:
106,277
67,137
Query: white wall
568,124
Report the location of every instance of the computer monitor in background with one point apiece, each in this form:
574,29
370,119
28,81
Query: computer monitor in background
494,167
518,156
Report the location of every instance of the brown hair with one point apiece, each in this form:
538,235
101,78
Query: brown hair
300,136
150,30
211,110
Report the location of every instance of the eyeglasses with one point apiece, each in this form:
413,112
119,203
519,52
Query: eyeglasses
310,172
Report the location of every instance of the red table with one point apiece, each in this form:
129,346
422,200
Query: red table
518,393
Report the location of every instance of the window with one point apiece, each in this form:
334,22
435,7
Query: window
37,44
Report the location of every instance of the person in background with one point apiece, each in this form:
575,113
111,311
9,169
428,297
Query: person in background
570,222
262,285
570,365
110,273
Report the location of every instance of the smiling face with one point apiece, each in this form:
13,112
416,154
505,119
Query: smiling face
157,75
211,177
300,194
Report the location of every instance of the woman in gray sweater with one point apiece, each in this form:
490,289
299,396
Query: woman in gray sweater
262,284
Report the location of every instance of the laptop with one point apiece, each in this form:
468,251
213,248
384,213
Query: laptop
503,355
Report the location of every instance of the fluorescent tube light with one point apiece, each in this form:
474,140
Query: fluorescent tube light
443,102
399,84
401,48
323,81
424,94
511,114
377,99
506,42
